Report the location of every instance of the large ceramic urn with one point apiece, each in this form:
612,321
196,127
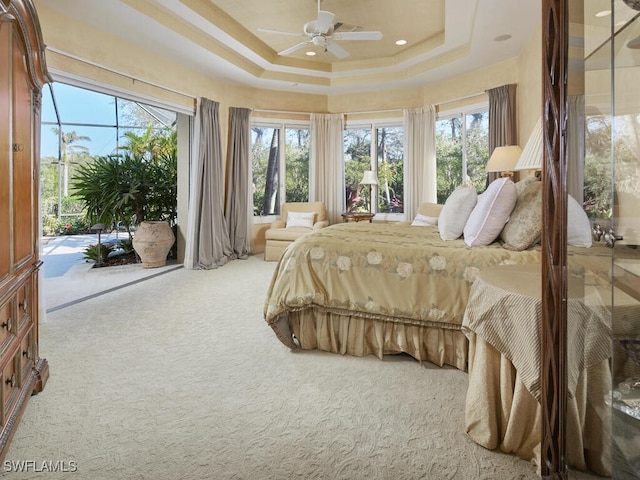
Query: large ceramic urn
152,241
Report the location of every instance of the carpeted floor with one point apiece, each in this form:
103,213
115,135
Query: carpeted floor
179,377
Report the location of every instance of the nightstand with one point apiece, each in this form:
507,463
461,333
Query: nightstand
356,217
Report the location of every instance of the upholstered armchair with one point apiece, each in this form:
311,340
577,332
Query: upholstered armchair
298,218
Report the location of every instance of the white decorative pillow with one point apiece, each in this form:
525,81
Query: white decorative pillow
456,211
525,224
300,219
578,225
423,220
490,213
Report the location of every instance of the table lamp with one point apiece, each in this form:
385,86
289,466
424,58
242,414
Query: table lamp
369,178
504,159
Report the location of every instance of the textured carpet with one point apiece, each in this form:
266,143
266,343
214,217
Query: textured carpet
179,377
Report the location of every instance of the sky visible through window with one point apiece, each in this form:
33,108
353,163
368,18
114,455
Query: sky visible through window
94,117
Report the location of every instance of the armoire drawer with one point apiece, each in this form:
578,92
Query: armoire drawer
10,383
27,354
7,324
24,304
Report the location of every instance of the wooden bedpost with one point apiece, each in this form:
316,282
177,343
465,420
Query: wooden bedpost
554,244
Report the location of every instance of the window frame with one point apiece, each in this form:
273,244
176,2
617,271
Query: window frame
282,126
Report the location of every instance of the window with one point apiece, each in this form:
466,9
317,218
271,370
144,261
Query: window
80,124
297,164
462,151
271,164
386,160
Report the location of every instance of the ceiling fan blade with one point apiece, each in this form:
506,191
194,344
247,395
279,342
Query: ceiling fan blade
324,21
337,50
295,48
267,30
357,36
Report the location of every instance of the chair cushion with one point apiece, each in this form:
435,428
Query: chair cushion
290,234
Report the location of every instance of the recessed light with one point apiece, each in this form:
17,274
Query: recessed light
603,13
502,38
401,42
311,54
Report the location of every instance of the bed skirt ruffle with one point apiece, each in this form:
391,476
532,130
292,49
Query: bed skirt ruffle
311,329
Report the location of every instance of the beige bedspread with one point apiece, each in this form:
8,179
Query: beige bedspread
386,272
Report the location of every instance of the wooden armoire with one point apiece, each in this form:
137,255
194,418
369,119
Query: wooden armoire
22,76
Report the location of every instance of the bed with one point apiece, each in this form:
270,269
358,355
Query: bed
360,289
387,288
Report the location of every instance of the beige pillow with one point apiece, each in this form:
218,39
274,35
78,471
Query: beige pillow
524,227
456,211
429,209
490,213
525,182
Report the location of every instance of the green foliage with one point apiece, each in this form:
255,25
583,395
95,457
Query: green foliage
391,187
131,187
93,252
297,165
449,153
264,153
51,225
390,169
449,157
126,245
357,160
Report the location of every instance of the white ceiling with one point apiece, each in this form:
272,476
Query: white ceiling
221,38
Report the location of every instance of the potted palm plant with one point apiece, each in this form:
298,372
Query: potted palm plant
136,188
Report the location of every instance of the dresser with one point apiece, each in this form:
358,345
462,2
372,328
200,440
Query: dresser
22,76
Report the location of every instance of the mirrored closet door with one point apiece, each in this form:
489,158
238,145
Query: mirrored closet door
603,175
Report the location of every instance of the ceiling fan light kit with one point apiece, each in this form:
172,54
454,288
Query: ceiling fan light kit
321,33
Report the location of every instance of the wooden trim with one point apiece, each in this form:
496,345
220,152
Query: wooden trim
554,245
26,17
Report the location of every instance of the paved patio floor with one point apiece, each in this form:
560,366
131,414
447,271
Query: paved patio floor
69,279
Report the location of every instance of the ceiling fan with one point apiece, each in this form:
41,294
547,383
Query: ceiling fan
322,33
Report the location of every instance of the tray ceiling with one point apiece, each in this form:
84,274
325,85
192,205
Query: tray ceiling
221,38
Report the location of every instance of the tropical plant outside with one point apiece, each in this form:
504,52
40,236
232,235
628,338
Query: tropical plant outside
134,186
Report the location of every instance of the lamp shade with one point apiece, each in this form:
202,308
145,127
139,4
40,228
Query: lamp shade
369,178
504,159
531,158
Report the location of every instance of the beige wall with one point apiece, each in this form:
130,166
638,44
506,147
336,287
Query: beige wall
529,87
78,50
